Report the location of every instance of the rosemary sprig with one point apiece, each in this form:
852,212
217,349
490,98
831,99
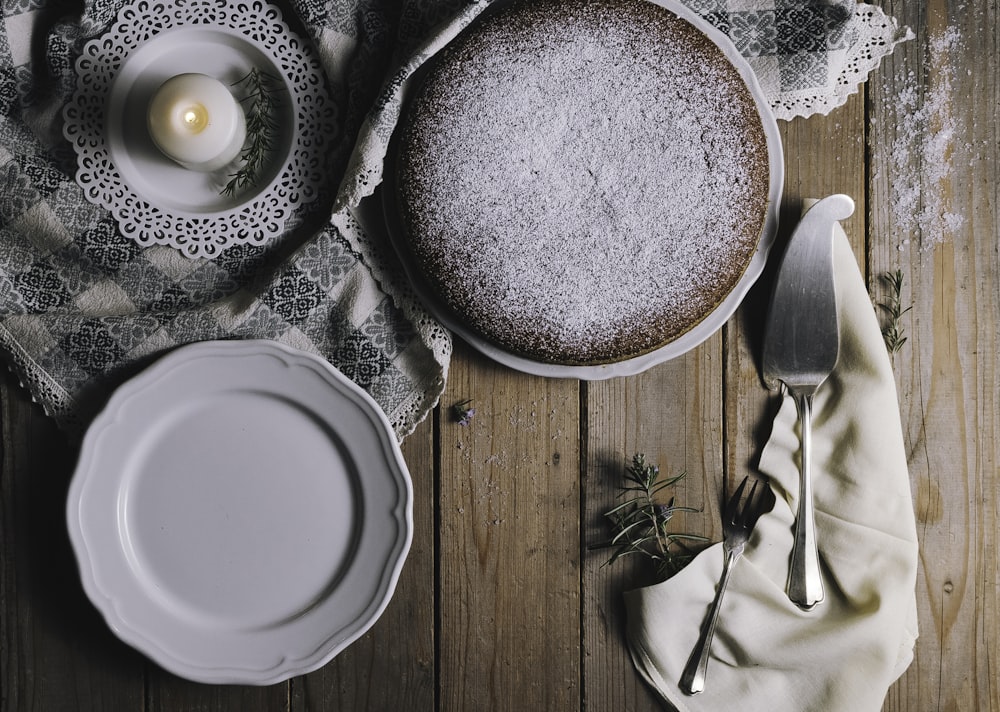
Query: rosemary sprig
892,332
261,128
640,524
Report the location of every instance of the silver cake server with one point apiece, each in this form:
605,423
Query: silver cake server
801,345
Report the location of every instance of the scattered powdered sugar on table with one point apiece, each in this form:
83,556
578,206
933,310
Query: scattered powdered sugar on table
581,186
921,156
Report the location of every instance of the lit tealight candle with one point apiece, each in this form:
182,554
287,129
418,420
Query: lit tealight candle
195,120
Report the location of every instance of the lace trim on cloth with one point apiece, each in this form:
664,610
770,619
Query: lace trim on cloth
365,170
360,221
389,275
44,391
820,84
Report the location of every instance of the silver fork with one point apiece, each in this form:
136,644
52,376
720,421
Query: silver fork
738,520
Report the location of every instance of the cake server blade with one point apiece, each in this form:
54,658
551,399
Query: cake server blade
801,345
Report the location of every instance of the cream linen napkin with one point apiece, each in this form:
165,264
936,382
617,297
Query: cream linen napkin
843,655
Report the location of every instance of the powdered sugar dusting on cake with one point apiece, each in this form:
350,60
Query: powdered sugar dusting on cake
583,181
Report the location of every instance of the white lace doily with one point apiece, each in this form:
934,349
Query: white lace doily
156,201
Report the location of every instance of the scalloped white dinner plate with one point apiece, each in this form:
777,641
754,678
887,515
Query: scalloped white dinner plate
686,341
240,512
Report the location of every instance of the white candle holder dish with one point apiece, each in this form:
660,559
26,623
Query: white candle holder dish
158,202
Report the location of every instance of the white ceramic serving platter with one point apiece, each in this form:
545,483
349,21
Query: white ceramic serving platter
240,512
704,329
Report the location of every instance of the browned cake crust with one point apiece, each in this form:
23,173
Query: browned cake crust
581,181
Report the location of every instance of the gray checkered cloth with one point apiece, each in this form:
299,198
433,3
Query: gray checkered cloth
809,55
82,307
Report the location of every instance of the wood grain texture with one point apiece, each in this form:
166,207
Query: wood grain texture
509,530
947,371
56,652
502,604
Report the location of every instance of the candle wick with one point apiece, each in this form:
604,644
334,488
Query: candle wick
195,118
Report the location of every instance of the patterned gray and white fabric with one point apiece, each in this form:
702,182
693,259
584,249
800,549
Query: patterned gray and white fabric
809,55
82,307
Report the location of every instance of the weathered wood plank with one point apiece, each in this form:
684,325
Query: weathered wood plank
166,692
509,585
56,653
940,149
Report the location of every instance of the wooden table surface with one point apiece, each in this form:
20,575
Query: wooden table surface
501,605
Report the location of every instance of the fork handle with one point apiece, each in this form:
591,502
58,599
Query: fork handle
693,678
805,583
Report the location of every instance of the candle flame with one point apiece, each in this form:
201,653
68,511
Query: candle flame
195,118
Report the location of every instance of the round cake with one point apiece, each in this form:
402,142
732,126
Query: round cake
580,182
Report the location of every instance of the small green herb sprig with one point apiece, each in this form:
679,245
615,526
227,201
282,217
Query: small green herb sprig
640,523
262,130
892,332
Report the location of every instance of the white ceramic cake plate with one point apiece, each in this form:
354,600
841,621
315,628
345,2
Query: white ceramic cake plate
153,199
701,331
240,512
